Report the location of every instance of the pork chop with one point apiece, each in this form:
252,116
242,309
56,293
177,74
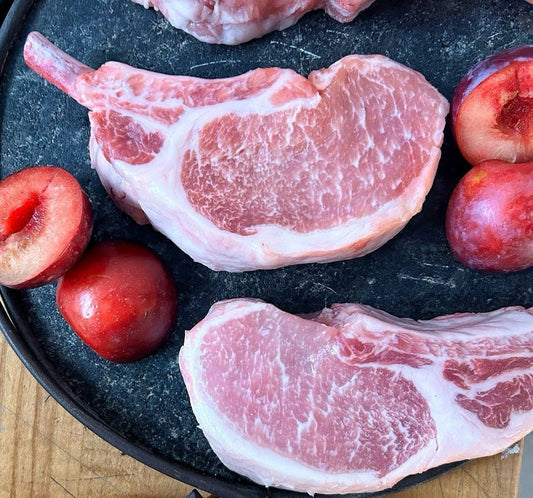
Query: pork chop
265,169
231,22
354,399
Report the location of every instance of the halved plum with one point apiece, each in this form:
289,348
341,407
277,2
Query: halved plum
46,223
492,108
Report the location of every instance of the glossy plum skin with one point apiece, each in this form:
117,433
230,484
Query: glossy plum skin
489,221
492,108
120,300
46,223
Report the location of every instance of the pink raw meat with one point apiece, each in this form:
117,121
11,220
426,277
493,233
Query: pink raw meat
265,169
354,399
236,21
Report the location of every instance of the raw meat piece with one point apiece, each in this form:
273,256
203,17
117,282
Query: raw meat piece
265,169
232,22
354,399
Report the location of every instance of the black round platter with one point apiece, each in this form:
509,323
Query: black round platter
142,408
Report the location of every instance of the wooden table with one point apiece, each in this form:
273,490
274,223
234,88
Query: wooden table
45,452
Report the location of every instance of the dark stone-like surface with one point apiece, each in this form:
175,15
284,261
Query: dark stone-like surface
413,275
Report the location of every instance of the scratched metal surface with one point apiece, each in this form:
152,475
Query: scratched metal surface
143,408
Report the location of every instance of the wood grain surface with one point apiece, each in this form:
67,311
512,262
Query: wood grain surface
44,451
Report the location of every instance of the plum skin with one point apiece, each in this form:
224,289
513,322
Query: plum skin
46,223
492,108
489,220
120,300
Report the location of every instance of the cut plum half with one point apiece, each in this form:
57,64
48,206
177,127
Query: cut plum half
492,108
46,223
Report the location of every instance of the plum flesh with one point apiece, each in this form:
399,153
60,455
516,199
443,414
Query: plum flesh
45,225
492,108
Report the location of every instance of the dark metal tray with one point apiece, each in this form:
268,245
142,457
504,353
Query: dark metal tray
142,408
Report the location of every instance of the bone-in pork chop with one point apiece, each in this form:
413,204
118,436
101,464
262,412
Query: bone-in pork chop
354,399
265,169
232,22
